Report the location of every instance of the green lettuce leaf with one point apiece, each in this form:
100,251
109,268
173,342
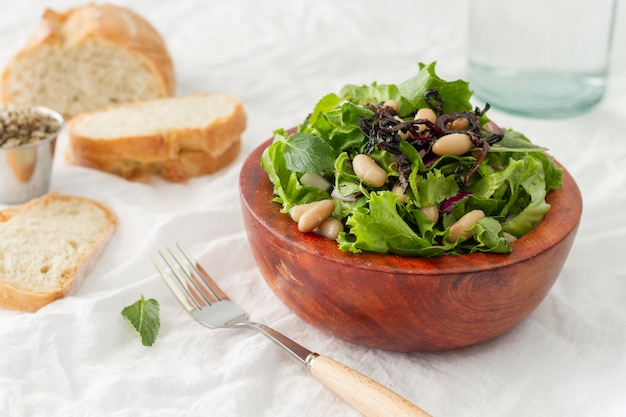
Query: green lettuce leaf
374,93
488,235
532,182
410,93
346,182
340,126
456,94
381,229
435,188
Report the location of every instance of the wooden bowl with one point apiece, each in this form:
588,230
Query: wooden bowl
404,303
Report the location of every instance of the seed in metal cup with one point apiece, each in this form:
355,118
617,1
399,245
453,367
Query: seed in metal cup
27,143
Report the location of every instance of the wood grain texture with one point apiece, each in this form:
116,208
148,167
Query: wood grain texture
366,395
405,303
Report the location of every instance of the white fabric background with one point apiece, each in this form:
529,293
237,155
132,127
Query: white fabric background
77,357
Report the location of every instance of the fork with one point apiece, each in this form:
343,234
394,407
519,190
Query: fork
209,305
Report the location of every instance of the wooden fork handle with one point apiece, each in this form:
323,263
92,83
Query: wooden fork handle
366,395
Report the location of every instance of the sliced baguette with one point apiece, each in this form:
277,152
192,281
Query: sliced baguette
89,57
48,246
176,137
189,164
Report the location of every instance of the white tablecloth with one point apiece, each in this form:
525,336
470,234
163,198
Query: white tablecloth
77,357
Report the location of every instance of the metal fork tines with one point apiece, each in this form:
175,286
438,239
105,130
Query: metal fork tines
208,304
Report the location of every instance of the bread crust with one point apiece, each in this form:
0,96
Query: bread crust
108,23
26,300
176,154
188,164
214,138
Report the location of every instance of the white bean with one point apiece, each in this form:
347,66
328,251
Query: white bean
452,144
399,191
314,214
509,237
368,170
393,104
460,228
458,124
330,228
315,180
431,212
297,211
403,135
425,113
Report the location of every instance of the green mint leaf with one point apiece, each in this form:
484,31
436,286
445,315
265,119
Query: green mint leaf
143,317
287,188
305,152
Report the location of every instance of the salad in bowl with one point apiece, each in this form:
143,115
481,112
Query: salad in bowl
410,169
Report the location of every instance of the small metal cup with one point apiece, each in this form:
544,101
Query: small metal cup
26,170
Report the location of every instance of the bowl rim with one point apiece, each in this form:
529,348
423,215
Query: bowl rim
565,211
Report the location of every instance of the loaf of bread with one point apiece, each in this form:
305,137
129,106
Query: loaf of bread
48,246
176,137
86,58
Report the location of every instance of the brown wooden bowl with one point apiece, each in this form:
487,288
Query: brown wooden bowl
405,303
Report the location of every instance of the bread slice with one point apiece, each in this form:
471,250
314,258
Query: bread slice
86,58
48,246
176,137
